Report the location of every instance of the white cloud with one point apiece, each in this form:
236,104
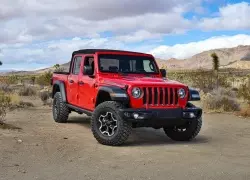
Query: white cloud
24,21
53,52
230,17
187,50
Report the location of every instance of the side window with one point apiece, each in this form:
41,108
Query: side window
89,61
77,65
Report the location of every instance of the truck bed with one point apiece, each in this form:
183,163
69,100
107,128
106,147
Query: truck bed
65,73
62,76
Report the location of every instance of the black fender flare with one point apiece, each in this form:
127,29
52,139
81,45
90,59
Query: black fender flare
116,93
194,95
62,89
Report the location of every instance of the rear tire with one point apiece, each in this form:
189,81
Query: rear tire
107,126
191,131
60,109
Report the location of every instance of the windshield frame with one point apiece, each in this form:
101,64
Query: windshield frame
147,57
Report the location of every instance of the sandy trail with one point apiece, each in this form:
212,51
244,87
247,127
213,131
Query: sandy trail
69,151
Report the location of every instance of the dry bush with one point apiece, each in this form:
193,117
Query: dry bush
14,98
10,101
44,95
5,88
16,102
245,111
27,91
244,92
24,104
220,100
4,105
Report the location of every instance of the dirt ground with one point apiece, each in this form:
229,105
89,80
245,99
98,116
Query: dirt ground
45,150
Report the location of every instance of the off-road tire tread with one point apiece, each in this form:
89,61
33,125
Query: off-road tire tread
63,114
122,135
182,136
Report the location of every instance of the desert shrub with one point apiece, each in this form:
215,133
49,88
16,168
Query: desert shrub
14,98
27,91
245,111
44,95
220,100
204,80
244,92
12,79
24,104
5,88
44,79
33,79
4,104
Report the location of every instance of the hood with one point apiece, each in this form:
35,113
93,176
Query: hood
139,81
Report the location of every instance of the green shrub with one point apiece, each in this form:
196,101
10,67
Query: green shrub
44,79
204,80
244,93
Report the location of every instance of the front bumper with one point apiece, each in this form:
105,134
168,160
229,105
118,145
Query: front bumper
161,117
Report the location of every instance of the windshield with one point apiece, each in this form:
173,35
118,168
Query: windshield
127,64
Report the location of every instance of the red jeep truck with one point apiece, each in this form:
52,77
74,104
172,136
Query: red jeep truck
122,90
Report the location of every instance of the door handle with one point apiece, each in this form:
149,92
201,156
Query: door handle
80,83
71,81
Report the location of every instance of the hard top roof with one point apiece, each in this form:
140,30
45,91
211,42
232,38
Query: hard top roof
93,51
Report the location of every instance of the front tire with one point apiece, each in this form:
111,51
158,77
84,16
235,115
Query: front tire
107,126
60,109
185,133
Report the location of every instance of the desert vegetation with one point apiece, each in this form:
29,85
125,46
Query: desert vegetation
18,92
222,90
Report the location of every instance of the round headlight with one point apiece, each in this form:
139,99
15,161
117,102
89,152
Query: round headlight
136,92
181,93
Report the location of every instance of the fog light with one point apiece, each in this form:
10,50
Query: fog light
136,115
191,115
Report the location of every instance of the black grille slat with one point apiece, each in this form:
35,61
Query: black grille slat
155,96
150,96
176,96
171,96
144,95
161,95
166,95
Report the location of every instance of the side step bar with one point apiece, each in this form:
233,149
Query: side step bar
78,109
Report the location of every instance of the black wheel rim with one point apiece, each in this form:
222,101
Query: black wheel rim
107,124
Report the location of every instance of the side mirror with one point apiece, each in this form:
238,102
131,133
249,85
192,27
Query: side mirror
87,70
163,72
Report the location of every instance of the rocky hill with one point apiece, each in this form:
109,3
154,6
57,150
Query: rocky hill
237,57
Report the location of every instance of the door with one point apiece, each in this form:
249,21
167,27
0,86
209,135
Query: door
87,85
72,93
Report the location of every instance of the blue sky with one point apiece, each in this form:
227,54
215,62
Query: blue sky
40,34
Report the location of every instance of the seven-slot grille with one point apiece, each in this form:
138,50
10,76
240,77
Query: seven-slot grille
160,96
